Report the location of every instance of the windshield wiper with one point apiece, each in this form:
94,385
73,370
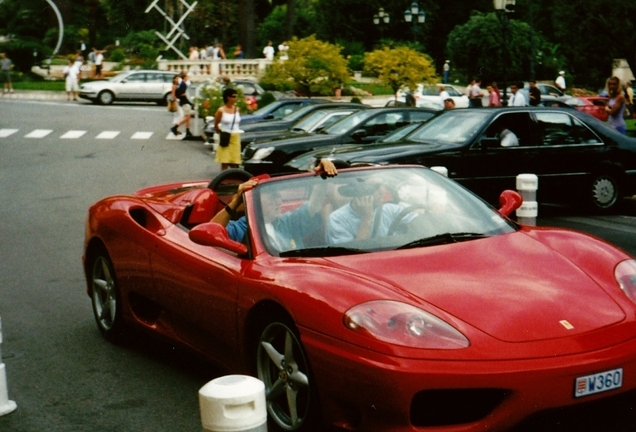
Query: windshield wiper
443,239
322,252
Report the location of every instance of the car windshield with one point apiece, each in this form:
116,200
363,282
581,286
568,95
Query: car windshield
299,113
399,134
310,120
452,127
410,207
348,123
267,109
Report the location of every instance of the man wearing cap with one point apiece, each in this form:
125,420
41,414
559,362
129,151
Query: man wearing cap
560,81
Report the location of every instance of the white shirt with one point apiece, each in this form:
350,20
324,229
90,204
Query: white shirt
517,99
268,52
99,58
560,82
444,95
282,49
508,138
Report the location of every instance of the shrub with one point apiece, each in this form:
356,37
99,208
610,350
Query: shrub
356,99
212,98
266,99
118,55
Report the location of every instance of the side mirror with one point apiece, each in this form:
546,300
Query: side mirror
489,142
269,117
359,134
214,234
509,201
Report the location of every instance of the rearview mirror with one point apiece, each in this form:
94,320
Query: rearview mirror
214,234
509,201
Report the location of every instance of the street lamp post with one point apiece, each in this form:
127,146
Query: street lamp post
503,8
416,16
381,18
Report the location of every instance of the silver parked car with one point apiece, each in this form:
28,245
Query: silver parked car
137,85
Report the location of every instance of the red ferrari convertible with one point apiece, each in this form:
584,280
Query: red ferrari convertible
382,299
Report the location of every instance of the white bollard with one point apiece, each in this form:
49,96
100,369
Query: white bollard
440,170
233,403
527,185
6,406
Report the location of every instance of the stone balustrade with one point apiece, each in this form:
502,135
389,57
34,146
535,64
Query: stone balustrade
202,70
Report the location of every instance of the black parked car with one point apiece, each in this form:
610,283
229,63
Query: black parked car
315,117
273,111
363,127
577,157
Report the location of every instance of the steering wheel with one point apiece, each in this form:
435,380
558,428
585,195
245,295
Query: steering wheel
397,222
226,183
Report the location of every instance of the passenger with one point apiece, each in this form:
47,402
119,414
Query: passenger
507,138
286,231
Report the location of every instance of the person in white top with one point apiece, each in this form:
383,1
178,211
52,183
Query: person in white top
268,51
517,98
474,94
443,94
99,61
71,72
282,50
560,81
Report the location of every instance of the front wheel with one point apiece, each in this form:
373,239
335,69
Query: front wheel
605,192
282,365
106,98
105,296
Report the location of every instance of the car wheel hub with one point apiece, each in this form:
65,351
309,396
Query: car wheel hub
604,192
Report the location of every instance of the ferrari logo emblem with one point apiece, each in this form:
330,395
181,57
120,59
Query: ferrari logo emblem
566,324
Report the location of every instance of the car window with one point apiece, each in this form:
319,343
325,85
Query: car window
284,110
154,78
400,133
453,92
520,124
138,77
385,123
349,122
562,129
247,90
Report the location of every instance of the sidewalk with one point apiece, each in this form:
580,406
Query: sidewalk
34,95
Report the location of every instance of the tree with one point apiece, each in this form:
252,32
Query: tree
316,67
399,67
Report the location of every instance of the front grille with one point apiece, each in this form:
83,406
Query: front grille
454,406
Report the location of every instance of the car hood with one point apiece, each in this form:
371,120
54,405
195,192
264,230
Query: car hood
370,153
512,287
97,84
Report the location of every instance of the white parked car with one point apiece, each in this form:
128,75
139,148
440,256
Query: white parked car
137,85
430,93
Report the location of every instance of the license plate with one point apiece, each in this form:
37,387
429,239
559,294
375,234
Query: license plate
598,382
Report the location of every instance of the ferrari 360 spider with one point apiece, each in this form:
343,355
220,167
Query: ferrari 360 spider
382,299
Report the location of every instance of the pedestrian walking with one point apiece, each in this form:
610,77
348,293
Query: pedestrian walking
99,62
6,65
560,81
517,98
226,124
238,52
616,105
184,107
535,94
268,51
71,74
494,96
446,71
474,94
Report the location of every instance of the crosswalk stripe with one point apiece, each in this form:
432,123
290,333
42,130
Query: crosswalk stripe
107,135
7,132
73,134
141,135
39,133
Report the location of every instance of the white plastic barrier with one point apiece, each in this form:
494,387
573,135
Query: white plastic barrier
233,403
6,406
527,185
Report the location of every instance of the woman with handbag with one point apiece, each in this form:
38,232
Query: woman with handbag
226,124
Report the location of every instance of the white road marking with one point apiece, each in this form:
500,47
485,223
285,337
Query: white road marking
73,134
39,133
107,135
7,132
141,135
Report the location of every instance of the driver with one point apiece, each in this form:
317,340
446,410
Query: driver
365,216
285,231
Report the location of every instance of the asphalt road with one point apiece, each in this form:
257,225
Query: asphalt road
61,373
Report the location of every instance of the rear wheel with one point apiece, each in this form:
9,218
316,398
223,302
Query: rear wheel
106,98
105,296
282,365
605,192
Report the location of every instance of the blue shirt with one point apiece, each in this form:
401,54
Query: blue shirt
344,223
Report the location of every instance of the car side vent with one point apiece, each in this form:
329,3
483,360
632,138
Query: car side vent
454,406
139,216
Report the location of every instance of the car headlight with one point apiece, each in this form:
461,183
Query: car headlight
402,324
625,274
262,153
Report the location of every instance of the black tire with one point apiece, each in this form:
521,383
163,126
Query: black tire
281,363
106,97
226,183
105,296
604,192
